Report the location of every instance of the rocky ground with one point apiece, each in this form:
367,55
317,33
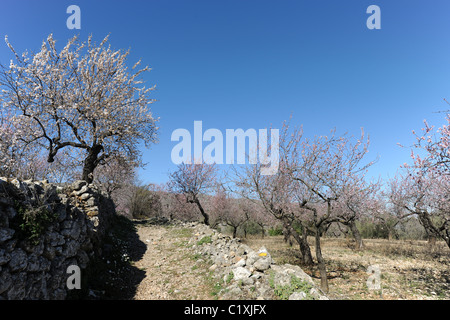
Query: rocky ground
171,272
243,272
159,261
190,261
409,270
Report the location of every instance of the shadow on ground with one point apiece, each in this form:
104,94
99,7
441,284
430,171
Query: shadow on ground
114,275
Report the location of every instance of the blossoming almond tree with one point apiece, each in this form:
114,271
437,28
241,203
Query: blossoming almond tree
359,199
436,144
275,194
116,174
256,214
233,212
424,188
192,180
322,169
83,96
426,195
8,151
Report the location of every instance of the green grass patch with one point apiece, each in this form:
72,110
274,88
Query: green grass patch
295,285
182,233
206,239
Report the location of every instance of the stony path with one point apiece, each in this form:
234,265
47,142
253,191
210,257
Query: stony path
171,271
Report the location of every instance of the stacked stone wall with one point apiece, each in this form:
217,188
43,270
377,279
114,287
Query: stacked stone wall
44,229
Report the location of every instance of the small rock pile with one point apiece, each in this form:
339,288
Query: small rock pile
245,273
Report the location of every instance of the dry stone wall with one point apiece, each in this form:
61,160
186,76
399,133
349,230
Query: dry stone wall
244,273
44,229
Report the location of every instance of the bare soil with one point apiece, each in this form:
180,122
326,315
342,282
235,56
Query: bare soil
171,272
409,269
145,261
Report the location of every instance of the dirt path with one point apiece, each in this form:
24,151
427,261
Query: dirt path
171,272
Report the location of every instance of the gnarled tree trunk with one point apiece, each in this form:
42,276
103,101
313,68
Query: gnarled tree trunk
202,211
356,235
302,241
90,163
321,263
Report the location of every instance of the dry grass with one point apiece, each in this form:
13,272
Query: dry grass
171,272
409,269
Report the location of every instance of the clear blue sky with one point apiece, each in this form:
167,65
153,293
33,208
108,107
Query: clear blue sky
252,63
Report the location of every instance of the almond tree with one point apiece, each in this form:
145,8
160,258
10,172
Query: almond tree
426,195
313,176
322,169
7,161
115,174
275,194
256,214
27,161
436,147
34,166
388,217
10,153
83,96
193,179
177,206
233,212
424,188
359,199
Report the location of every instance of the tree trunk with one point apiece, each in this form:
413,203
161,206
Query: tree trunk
321,263
356,235
287,236
446,235
431,231
432,241
262,230
90,163
303,243
234,231
204,214
306,250
447,239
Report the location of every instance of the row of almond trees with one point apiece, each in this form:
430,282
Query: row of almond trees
321,181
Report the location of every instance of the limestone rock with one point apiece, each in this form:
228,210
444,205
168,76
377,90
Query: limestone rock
77,185
262,264
253,271
241,273
240,262
283,274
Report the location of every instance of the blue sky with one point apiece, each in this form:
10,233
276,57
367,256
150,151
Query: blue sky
251,64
